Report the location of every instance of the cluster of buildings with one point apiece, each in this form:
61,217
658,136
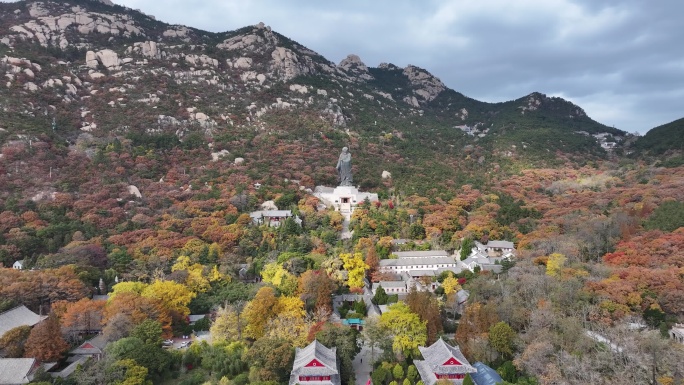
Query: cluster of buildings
17,371
606,140
490,256
419,268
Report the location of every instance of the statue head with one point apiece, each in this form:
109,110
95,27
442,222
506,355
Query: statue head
345,149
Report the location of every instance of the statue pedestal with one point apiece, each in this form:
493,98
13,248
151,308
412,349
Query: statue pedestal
343,198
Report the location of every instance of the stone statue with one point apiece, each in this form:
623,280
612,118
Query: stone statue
344,167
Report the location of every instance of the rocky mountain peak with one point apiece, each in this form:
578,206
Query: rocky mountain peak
353,65
426,86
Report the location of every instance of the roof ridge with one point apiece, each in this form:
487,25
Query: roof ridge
17,307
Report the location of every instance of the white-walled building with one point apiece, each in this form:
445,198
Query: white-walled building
343,198
420,263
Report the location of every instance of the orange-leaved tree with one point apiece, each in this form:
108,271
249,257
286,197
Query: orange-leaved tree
45,342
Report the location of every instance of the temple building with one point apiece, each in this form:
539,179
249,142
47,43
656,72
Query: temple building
442,361
315,365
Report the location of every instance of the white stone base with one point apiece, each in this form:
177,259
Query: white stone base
343,198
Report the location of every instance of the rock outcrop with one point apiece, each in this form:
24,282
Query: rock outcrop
52,30
353,65
427,86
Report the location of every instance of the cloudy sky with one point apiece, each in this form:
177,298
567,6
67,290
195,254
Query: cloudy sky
621,60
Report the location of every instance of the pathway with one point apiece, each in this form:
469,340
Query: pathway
362,367
346,234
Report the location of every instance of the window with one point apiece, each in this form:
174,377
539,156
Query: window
450,376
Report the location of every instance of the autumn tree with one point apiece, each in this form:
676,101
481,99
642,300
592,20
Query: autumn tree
288,327
425,304
356,269
137,308
199,278
554,265
315,287
229,323
172,295
42,287
259,311
275,274
13,341
45,341
475,323
408,331
83,315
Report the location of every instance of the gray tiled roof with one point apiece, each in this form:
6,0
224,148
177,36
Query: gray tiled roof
494,268
454,269
317,351
424,261
388,284
14,371
421,254
196,317
93,346
19,316
271,214
66,372
435,356
500,244
422,273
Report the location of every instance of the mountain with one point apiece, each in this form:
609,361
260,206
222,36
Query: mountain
91,73
667,139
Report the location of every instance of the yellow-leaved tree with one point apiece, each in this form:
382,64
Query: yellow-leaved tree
172,295
356,269
275,274
259,311
554,265
290,328
228,325
127,287
450,284
291,306
195,280
408,331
